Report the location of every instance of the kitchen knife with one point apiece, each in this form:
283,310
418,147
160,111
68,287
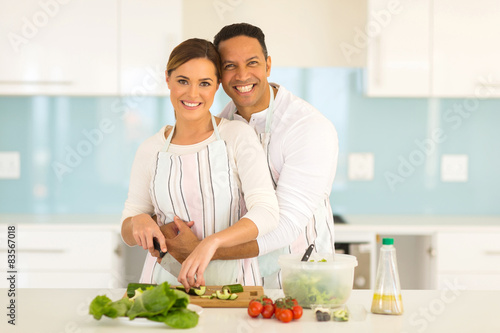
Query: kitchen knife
308,253
158,248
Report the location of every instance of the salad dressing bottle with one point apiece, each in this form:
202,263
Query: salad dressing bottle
387,295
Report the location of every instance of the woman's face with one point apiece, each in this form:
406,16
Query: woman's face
192,88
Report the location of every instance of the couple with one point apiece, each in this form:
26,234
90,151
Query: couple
245,205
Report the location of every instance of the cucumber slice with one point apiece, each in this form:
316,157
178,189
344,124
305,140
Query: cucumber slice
131,288
233,288
340,315
223,295
207,296
199,291
195,291
233,296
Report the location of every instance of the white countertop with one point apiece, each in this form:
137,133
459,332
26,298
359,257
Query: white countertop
419,224
66,310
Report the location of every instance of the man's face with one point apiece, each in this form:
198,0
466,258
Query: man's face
245,72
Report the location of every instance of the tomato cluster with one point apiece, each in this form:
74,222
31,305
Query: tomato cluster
284,309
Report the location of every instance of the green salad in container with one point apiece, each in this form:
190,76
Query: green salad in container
326,280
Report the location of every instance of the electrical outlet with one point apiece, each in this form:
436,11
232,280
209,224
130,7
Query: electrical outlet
10,165
360,166
454,168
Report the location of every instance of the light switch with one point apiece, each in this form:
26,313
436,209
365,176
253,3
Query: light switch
360,166
10,165
454,168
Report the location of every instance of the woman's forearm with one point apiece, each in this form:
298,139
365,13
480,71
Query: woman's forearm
241,232
127,236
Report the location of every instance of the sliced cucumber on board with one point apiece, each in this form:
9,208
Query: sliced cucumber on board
195,291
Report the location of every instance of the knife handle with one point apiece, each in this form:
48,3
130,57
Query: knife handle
308,253
158,248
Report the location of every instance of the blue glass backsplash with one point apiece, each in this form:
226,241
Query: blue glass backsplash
77,152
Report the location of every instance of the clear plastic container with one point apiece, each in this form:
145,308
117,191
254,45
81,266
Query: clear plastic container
325,279
387,294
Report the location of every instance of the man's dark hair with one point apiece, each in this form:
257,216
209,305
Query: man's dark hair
241,29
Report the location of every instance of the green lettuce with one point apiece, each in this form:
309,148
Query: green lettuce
181,318
103,306
159,303
152,302
319,288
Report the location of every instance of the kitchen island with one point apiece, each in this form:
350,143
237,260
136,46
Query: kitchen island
448,310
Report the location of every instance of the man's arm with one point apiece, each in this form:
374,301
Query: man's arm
181,241
310,150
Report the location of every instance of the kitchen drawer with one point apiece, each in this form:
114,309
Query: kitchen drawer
52,250
468,252
469,281
65,280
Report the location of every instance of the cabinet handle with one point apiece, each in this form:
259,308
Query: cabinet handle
492,253
38,83
37,250
491,84
118,250
378,61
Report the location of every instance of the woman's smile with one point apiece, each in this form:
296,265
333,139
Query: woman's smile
191,105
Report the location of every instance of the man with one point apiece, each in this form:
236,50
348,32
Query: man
301,147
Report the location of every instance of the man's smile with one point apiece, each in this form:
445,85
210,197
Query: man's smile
245,88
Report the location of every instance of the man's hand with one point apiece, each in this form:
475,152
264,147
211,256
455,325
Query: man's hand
180,239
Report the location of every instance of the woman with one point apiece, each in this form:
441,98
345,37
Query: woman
204,169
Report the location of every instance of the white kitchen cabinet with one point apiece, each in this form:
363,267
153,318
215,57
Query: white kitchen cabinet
398,48
67,257
58,47
149,30
466,48
441,48
471,260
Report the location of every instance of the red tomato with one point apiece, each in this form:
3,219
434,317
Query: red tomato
254,309
267,311
297,311
285,315
267,300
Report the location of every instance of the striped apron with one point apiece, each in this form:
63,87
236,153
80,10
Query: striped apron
318,231
200,187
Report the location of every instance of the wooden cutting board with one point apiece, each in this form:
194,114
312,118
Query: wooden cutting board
249,293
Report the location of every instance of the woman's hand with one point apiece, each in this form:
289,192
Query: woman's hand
191,274
144,229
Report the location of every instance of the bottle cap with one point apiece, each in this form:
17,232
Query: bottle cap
387,241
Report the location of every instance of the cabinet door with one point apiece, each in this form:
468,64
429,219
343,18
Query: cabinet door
398,48
58,47
468,252
149,30
55,257
466,48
